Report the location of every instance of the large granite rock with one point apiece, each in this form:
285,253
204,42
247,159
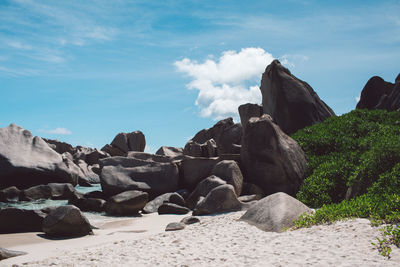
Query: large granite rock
173,153
220,199
90,155
126,203
59,146
5,253
88,176
291,102
379,94
51,190
26,161
195,170
205,142
202,189
121,174
175,198
229,171
171,208
10,194
275,213
148,157
66,221
13,220
88,204
229,141
270,158
247,111
124,142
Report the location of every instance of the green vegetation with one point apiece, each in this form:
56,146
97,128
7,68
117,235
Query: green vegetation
354,171
350,155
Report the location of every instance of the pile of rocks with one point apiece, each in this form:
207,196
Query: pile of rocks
224,168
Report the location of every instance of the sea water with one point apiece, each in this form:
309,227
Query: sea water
44,203
95,218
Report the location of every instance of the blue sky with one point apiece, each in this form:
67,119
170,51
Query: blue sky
82,71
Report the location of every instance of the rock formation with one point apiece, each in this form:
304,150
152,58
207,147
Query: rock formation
121,174
292,103
275,212
379,94
13,220
66,221
220,199
124,142
270,158
247,111
126,203
223,138
26,161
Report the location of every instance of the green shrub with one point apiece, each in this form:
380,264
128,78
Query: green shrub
348,154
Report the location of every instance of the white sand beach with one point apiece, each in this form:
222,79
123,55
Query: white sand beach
216,241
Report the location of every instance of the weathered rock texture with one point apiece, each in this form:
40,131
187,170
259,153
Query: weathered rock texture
220,199
174,153
126,203
223,138
124,142
275,213
379,94
247,111
291,102
13,220
66,221
121,174
26,161
270,158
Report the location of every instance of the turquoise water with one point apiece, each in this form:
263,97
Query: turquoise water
43,203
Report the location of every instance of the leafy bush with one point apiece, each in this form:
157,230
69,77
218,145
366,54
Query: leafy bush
350,155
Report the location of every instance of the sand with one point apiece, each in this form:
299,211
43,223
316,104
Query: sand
216,241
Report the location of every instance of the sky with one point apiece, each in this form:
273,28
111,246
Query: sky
83,71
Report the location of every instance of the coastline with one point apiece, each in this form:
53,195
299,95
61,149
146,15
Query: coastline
219,240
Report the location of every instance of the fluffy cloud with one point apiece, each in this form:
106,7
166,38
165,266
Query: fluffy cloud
227,82
60,131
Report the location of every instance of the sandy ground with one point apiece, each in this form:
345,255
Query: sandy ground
216,241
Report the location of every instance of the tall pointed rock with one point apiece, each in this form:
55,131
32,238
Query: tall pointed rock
290,101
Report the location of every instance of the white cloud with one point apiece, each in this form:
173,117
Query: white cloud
227,82
19,45
358,98
59,130
292,60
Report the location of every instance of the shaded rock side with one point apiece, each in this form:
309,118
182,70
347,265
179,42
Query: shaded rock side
202,189
13,220
379,94
290,101
229,171
26,161
126,203
270,158
220,199
275,213
171,208
173,153
124,142
66,221
202,144
247,111
121,174
175,198
51,190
